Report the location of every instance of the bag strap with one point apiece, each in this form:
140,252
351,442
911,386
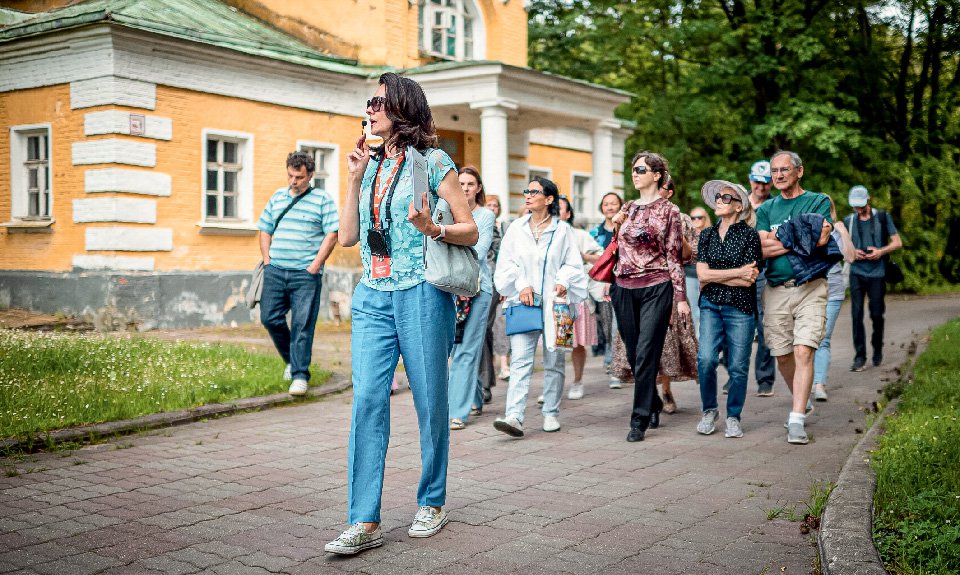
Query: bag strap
289,207
543,274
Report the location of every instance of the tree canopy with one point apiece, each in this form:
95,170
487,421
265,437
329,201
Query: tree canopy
866,92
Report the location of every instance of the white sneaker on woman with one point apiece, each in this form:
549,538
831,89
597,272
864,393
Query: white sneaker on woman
576,391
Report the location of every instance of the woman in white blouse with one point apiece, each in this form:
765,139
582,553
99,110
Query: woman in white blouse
539,261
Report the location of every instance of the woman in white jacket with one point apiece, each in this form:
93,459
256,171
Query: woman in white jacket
539,261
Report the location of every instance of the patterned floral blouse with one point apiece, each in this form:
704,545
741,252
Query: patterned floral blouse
650,247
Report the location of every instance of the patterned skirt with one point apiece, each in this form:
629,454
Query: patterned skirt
584,327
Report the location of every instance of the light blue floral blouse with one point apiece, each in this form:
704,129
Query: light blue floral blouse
406,242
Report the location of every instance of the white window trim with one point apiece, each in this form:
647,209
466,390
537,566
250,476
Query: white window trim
245,181
464,7
18,190
540,169
332,164
587,211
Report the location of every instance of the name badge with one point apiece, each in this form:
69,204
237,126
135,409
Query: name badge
379,267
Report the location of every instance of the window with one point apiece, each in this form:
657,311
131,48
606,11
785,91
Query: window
451,29
30,172
545,173
227,177
325,176
579,188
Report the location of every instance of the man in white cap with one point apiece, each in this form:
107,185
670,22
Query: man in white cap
763,364
794,315
874,237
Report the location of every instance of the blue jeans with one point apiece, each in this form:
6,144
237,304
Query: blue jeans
821,359
523,347
417,324
693,298
724,327
296,291
764,366
465,390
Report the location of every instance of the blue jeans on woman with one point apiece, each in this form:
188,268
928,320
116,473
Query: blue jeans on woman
417,324
724,327
523,347
465,390
821,359
297,292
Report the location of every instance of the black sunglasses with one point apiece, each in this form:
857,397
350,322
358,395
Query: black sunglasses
376,103
726,198
641,170
696,217
532,192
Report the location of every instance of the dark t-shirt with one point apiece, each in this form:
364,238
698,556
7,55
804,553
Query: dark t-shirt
777,210
739,247
868,233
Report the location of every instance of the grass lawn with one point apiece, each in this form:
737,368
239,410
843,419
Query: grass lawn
917,502
51,381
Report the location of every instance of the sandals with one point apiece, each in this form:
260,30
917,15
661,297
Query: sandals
476,411
457,424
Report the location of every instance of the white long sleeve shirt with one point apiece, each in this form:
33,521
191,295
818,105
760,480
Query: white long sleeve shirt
521,265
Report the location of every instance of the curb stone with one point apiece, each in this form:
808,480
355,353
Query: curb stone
845,537
335,384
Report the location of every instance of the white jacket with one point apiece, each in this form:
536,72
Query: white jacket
520,265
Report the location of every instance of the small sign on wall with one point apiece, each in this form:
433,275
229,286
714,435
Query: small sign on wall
138,124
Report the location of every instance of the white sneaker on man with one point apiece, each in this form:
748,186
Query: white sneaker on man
287,374
576,391
551,423
298,387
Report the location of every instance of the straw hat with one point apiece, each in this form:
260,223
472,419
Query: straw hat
714,187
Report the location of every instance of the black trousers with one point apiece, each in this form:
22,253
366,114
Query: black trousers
487,372
875,289
643,316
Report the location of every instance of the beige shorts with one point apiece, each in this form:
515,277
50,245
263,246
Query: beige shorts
794,315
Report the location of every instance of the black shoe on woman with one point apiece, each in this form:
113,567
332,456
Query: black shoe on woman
636,434
654,420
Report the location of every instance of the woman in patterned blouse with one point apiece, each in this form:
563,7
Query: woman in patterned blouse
728,259
649,274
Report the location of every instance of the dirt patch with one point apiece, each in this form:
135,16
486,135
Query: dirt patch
22,319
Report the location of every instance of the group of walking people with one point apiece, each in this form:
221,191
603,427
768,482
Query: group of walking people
673,272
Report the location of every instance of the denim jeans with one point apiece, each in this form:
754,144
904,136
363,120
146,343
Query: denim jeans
724,327
875,289
821,359
764,366
523,347
297,292
465,390
693,298
643,316
417,324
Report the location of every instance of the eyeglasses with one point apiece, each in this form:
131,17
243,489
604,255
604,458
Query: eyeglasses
532,192
376,103
696,217
726,198
781,170
641,170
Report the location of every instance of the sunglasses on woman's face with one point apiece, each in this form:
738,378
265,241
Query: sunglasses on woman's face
641,170
532,193
696,217
376,103
726,198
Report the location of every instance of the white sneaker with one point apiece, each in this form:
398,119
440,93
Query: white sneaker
428,521
551,423
540,399
733,428
576,391
504,374
820,392
354,540
287,375
298,387
509,425
615,383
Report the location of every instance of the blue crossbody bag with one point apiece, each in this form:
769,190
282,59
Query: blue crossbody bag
527,318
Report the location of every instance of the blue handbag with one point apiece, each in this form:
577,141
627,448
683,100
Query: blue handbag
527,318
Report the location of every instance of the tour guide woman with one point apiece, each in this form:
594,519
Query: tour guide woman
395,312
649,278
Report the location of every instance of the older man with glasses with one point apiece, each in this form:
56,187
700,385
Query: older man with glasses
763,363
794,314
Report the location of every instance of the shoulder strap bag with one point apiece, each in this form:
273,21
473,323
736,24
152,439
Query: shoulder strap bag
523,318
256,280
449,267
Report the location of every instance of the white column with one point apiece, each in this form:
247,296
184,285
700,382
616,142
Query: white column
602,179
494,160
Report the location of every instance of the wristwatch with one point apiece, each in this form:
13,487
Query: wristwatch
443,233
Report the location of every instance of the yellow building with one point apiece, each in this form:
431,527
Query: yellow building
145,136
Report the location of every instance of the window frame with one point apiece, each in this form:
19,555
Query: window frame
331,165
244,193
20,173
583,207
468,33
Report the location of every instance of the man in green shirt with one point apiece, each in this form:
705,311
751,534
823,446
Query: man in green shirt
794,315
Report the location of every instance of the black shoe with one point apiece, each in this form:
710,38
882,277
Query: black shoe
487,395
654,420
635,434
858,365
877,361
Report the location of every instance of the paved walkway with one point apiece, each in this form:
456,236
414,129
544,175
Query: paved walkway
262,492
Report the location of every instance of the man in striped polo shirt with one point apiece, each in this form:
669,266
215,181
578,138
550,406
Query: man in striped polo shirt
294,251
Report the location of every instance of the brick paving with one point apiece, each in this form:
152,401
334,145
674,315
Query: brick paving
262,492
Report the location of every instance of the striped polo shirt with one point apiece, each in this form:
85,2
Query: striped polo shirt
297,240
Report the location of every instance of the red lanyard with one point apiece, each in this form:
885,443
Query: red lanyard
380,193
